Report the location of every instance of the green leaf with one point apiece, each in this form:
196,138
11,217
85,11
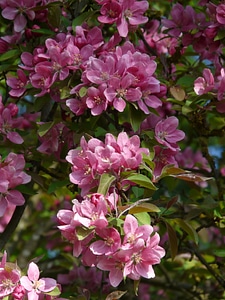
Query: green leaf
220,35
44,128
188,229
172,240
57,184
105,182
44,31
142,180
148,160
54,13
55,292
81,19
136,116
83,232
10,54
144,207
26,189
83,91
143,218
219,252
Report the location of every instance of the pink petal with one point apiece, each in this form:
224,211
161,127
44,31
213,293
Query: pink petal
14,137
3,205
20,23
15,197
47,284
33,272
9,13
26,283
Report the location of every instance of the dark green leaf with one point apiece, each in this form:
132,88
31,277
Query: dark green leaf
172,240
81,19
57,184
188,229
136,116
14,53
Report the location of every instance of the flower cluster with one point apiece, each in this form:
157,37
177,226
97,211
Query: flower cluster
125,14
109,77
196,29
167,135
20,12
30,285
207,83
9,121
130,255
12,175
55,140
95,158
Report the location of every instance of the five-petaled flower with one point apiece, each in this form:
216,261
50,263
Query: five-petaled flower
35,285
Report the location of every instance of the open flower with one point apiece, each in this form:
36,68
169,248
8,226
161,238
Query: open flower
9,276
34,285
167,134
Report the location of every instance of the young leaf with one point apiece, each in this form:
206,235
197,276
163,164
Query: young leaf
83,232
192,177
143,218
105,182
144,207
55,292
44,128
142,180
178,93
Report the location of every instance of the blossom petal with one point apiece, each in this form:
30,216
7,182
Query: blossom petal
33,272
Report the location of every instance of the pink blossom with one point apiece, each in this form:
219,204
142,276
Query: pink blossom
132,15
53,142
205,84
19,292
8,122
220,84
182,20
167,134
96,100
15,11
9,276
133,232
220,14
12,175
95,158
42,78
18,85
140,258
108,244
114,266
163,157
190,159
110,12
35,286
